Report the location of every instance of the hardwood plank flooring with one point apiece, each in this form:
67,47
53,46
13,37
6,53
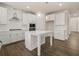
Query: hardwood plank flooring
60,48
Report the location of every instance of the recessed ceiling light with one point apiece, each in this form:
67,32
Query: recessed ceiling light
60,4
28,7
39,14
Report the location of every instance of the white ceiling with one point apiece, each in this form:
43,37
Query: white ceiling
45,8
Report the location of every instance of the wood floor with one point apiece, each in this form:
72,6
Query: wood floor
60,48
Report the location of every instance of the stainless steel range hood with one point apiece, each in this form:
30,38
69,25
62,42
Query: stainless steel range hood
14,18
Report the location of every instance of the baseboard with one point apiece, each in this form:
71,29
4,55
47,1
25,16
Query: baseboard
13,42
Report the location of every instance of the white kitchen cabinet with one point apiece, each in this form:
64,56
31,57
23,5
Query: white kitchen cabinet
25,18
49,23
15,36
11,36
20,35
61,25
28,18
4,37
3,15
50,17
49,26
32,18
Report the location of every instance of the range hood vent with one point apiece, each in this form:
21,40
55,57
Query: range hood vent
14,18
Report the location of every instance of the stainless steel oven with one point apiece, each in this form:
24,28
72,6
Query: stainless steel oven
32,27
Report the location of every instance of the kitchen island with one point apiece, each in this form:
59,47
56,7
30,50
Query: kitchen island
34,39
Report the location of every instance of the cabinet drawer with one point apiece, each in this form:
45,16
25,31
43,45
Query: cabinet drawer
50,17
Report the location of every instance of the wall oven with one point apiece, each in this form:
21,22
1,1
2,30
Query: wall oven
32,27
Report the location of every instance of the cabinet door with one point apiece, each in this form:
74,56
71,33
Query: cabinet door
19,14
25,18
3,15
12,36
20,35
60,26
3,37
50,17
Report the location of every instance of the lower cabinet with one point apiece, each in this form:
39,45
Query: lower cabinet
15,36
11,36
4,37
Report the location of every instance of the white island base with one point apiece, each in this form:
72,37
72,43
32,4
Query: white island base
34,39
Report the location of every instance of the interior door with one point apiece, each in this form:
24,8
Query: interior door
59,26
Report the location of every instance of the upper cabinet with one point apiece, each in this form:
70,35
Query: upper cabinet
50,17
25,18
29,18
3,15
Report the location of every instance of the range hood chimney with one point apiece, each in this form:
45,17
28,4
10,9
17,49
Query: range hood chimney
14,18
